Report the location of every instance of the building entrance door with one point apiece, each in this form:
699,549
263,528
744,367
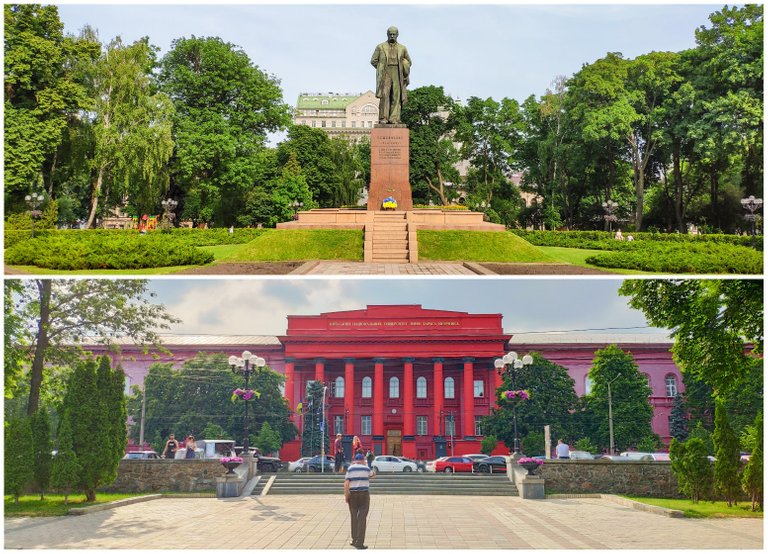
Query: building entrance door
395,442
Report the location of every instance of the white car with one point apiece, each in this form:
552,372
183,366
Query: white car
431,464
392,464
298,465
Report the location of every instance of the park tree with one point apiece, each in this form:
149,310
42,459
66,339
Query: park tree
313,151
631,409
290,188
727,457
91,407
698,431
752,478
65,312
349,182
716,324
552,399
225,106
313,428
41,443
18,456
214,431
678,420
488,444
268,440
40,92
691,467
431,119
132,128
65,473
15,337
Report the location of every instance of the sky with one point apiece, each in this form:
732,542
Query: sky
496,51
260,306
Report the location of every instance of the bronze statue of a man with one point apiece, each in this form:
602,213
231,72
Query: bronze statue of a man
393,68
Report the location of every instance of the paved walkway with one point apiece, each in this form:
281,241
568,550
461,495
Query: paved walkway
359,268
400,522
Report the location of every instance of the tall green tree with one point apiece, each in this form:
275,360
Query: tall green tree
66,312
631,409
716,324
312,150
268,440
290,188
111,386
552,400
225,106
691,467
65,473
727,457
16,337
752,478
18,456
678,422
41,444
312,431
132,128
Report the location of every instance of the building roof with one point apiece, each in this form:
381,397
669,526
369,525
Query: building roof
590,338
201,340
333,101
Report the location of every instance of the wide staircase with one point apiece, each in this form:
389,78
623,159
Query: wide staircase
395,483
387,239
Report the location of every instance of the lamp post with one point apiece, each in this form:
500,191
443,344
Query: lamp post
296,207
609,206
752,204
33,201
169,205
509,364
245,364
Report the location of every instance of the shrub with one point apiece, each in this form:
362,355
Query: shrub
727,462
585,444
488,444
692,468
18,467
604,240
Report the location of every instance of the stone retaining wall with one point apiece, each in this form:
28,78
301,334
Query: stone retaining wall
632,478
167,475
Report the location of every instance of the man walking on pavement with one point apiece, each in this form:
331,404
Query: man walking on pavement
356,483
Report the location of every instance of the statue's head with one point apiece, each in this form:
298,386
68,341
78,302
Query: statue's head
392,34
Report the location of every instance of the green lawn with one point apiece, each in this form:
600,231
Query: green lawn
283,245
702,508
53,505
478,246
223,251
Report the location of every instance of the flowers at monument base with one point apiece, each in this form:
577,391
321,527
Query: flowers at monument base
512,394
389,203
536,461
232,459
244,394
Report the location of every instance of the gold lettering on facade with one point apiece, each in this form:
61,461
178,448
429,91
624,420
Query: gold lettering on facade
442,323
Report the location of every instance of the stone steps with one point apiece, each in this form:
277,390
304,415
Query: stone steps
400,484
388,240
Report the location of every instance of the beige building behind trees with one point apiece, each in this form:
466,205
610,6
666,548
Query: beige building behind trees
351,116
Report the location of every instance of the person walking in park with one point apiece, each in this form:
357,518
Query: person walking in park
171,445
562,450
356,484
393,69
369,457
338,450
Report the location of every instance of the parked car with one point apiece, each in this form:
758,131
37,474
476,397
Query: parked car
454,464
319,464
298,465
213,449
581,455
476,457
638,456
141,455
393,464
421,465
430,467
642,457
491,464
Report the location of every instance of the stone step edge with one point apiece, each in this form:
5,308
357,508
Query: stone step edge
115,504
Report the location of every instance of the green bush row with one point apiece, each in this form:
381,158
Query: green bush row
604,240
105,250
700,258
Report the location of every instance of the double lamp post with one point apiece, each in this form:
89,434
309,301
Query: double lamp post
508,365
246,364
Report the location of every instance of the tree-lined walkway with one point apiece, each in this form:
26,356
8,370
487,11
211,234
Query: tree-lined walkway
431,522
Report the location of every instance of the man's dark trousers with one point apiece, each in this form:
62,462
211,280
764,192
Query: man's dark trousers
359,501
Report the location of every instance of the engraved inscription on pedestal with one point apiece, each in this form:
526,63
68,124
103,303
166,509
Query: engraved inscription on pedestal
390,152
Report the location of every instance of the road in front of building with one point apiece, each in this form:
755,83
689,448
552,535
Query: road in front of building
394,522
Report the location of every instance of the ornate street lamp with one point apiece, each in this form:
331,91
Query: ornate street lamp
33,201
245,364
752,204
509,364
169,205
296,207
609,207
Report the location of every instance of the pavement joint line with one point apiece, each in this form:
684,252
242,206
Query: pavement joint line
113,504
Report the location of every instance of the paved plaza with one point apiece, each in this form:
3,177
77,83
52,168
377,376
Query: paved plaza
394,522
359,268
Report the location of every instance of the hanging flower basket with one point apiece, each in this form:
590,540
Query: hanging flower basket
515,394
244,394
530,464
389,203
231,463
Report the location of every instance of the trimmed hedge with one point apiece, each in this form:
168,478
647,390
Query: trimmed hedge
105,250
604,240
700,258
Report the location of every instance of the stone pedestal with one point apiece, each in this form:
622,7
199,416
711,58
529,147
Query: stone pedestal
532,487
229,486
390,155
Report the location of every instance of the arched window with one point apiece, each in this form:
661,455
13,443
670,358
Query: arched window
394,387
421,387
670,382
587,385
449,388
367,385
339,389
370,108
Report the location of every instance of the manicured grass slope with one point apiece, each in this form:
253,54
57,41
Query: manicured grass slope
702,508
53,505
478,246
278,245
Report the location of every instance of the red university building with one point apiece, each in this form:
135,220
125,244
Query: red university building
409,380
